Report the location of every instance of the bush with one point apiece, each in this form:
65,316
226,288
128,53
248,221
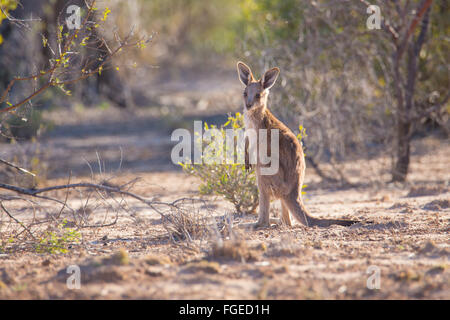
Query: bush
58,240
231,181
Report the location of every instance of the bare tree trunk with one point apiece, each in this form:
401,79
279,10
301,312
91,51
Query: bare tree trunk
405,100
401,166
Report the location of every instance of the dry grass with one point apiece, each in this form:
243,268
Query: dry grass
187,222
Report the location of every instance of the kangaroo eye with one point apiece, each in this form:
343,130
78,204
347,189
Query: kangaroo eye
245,94
258,96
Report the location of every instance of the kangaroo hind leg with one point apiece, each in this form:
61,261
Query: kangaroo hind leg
285,216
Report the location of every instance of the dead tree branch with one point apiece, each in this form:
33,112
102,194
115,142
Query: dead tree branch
16,167
86,185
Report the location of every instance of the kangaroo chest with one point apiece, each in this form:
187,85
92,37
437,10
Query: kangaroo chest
254,121
249,122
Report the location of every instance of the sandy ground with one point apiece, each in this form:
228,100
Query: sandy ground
402,240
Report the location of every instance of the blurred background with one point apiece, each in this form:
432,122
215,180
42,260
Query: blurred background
362,94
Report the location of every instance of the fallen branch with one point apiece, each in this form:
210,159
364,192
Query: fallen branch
108,188
17,167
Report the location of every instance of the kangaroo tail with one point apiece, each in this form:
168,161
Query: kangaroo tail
302,215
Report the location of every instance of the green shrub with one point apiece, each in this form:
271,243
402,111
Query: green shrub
232,181
58,240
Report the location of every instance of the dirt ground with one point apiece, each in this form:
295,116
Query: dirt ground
403,236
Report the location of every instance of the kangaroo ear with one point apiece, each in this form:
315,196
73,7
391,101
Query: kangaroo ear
244,72
270,77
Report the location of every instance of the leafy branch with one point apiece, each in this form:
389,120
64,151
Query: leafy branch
70,45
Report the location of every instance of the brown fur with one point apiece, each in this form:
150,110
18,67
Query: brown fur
287,183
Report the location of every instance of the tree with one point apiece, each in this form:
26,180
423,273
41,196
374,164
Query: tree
66,62
355,87
408,44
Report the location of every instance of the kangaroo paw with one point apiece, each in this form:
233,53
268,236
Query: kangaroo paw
261,225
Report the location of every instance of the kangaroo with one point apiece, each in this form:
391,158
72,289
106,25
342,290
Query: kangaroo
286,183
